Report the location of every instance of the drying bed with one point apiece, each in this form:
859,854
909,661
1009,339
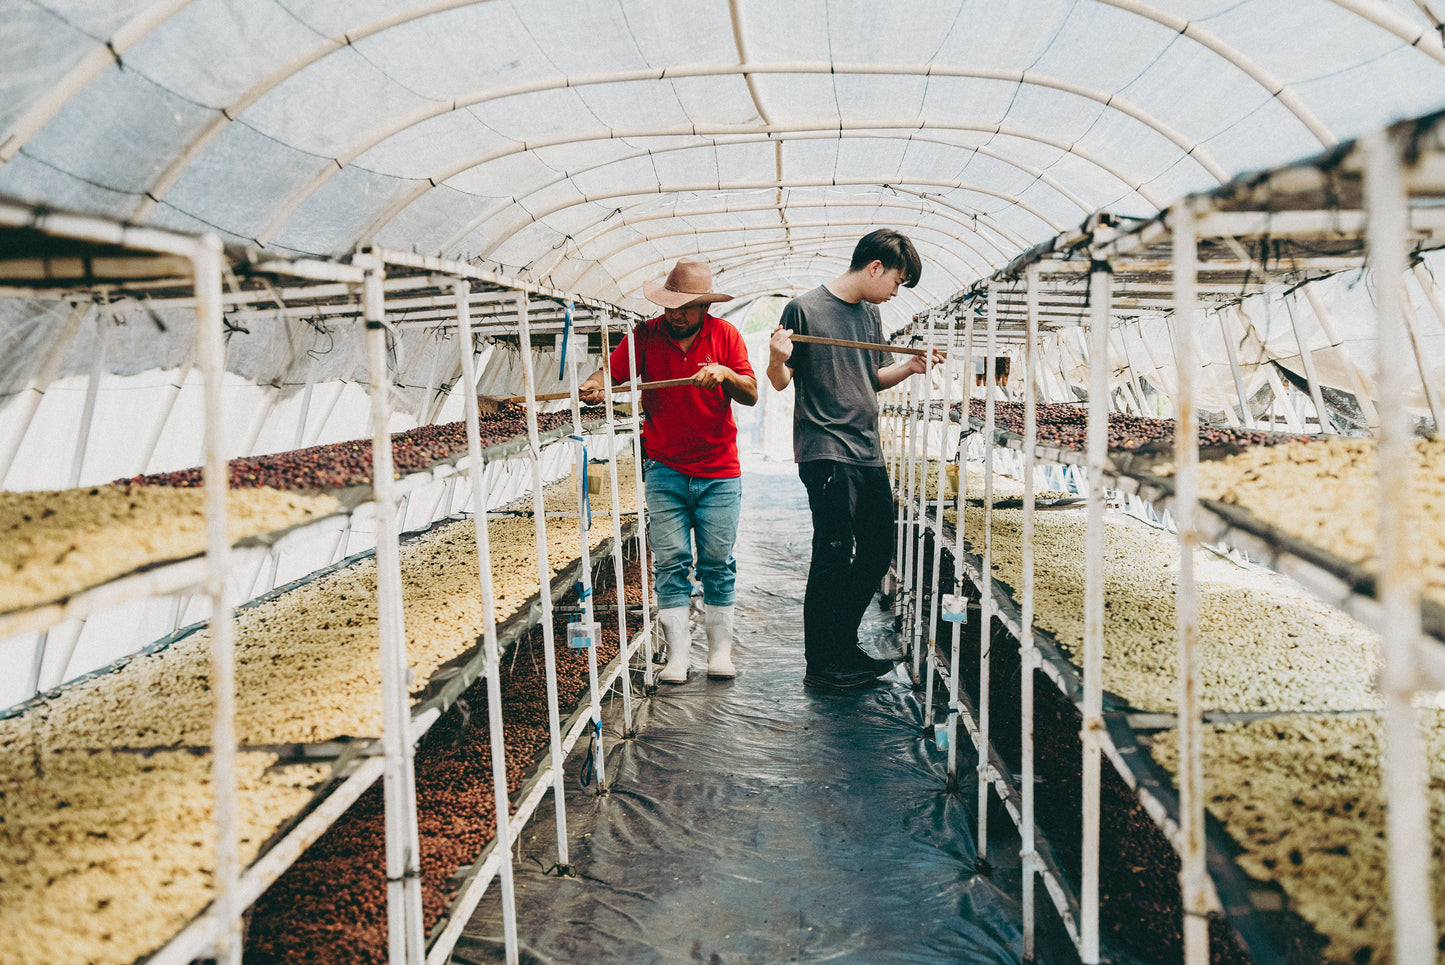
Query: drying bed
1264,646
341,465
1303,795
307,672
64,542
57,542
330,906
1065,426
1292,734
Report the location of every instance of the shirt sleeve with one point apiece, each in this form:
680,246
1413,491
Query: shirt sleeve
617,364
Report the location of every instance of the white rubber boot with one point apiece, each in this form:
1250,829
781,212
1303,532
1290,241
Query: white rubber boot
677,631
719,623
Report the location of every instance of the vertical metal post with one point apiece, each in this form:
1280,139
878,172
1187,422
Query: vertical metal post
643,571
544,581
103,326
937,530
1357,378
26,405
938,544
917,503
959,507
1407,816
1100,295
37,661
584,585
900,521
491,652
403,863
1309,364
1193,878
320,429
628,728
985,612
306,395
910,543
1281,395
1412,325
207,266
1246,417
148,451
1029,658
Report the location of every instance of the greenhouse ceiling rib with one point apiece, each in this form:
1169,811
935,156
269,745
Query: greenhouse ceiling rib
93,65
1191,148
1134,184
276,78
885,180
1417,36
1277,88
977,221
1191,31
851,236
753,247
756,253
575,249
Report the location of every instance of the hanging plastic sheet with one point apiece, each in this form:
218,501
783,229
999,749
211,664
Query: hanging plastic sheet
755,821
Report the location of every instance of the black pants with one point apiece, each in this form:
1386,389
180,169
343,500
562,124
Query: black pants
853,537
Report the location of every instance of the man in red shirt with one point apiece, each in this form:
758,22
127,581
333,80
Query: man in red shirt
692,477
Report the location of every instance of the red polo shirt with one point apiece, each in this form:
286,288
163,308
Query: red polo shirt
688,429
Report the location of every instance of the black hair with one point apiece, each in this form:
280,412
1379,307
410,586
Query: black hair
893,249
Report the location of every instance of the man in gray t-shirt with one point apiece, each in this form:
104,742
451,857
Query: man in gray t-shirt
835,442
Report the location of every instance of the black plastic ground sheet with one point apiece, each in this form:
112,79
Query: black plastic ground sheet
754,821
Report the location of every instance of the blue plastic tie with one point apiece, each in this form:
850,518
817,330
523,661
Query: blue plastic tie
586,492
566,337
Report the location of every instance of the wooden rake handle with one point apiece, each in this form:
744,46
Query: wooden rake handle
845,343
554,396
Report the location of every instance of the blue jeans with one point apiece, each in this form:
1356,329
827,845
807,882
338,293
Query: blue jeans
680,508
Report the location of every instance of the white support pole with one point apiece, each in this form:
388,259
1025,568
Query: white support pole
207,267
917,503
960,505
584,585
1029,657
1407,816
937,530
1412,327
103,326
433,376
1246,417
640,503
491,652
910,541
299,436
1193,878
1281,395
148,450
1309,365
985,612
320,429
1093,723
618,572
405,939
943,457
900,520
1135,386
1357,378
26,405
544,581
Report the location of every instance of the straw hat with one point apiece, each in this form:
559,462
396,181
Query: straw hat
689,283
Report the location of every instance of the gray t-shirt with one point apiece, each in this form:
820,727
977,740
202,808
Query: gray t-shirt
835,402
